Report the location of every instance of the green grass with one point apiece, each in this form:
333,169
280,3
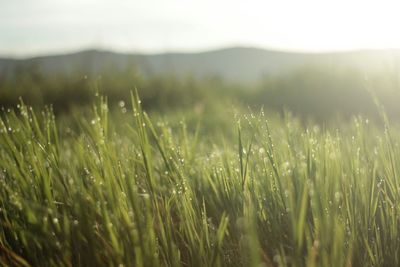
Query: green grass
108,190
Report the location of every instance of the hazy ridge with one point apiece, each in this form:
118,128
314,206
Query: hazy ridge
240,64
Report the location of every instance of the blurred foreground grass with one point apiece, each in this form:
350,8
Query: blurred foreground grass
259,190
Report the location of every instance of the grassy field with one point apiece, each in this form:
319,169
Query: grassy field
117,187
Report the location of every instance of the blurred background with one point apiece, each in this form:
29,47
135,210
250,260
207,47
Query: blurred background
317,59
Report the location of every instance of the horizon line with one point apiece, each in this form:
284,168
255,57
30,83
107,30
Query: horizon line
71,51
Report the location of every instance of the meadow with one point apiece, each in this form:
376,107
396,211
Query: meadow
112,185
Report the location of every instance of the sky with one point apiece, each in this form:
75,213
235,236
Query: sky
32,27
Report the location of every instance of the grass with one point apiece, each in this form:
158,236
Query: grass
102,191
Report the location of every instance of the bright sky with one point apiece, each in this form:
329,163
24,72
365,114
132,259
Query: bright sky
29,27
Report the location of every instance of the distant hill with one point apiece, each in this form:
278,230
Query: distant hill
239,64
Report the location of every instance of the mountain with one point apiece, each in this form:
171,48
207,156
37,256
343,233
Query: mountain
239,64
